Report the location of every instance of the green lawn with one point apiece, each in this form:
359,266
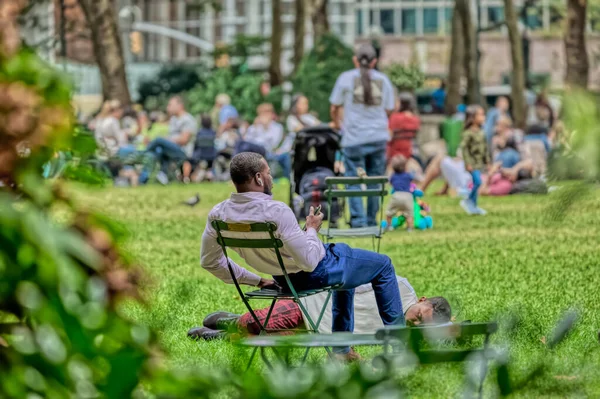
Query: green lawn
512,260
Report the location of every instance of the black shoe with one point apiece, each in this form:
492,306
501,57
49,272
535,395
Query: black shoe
221,321
206,334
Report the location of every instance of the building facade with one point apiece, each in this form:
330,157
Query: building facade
409,30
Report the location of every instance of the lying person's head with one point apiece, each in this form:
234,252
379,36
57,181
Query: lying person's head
434,310
250,172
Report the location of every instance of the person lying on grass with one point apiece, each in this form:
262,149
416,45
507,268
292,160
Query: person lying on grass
287,318
309,263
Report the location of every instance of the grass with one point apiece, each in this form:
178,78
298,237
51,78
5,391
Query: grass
512,260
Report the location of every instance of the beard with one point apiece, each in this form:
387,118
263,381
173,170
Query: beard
268,190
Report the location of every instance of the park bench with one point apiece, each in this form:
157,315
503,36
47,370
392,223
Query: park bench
262,236
396,342
375,189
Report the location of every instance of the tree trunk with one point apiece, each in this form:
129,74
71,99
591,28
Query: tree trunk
470,45
455,69
320,19
575,48
108,50
275,75
519,107
299,32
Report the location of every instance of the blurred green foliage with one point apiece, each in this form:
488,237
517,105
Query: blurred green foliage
319,70
243,88
405,77
154,92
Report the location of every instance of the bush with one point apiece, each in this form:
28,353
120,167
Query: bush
243,88
405,77
171,80
319,71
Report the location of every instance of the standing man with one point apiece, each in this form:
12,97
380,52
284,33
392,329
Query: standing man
367,97
178,146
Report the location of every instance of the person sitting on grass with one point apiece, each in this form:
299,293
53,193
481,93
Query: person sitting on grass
402,199
287,318
178,147
310,263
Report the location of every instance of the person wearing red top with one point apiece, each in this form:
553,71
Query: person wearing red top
404,126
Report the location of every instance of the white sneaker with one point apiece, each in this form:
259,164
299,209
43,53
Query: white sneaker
468,206
480,211
162,178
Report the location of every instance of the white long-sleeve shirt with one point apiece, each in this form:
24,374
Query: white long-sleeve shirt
302,250
267,136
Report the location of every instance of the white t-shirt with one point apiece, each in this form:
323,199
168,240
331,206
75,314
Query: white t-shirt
364,124
366,314
109,135
181,124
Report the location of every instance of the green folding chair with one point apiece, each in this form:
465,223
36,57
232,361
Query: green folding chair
462,333
334,192
266,239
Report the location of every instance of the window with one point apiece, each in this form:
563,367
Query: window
359,22
287,9
495,15
409,21
386,18
240,8
448,19
430,20
534,18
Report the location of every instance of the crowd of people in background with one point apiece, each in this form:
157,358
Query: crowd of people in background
379,128
177,146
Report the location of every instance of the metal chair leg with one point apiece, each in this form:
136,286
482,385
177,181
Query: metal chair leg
265,359
263,328
251,358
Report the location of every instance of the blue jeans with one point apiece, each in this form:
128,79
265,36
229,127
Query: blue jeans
163,151
370,157
542,137
352,268
285,161
476,175
509,157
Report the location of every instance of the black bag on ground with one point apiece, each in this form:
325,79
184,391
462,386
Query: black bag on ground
312,190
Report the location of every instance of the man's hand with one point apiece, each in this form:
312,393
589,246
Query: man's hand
314,221
469,168
268,284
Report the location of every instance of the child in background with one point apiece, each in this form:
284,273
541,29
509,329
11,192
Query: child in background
402,200
205,152
475,154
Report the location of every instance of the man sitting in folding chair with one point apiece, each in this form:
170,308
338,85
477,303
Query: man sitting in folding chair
310,264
